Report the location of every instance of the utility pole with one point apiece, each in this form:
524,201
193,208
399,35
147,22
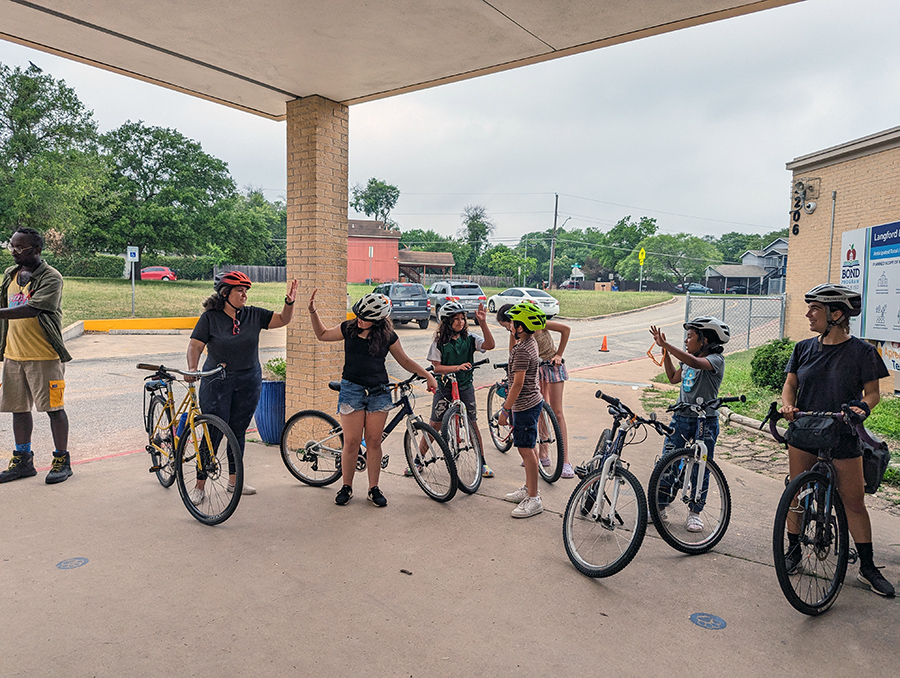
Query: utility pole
553,240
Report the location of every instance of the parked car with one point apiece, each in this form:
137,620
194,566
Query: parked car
570,285
469,294
409,302
694,288
514,295
736,289
158,273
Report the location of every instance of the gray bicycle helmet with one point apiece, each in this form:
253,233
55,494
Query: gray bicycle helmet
714,325
450,309
372,307
839,296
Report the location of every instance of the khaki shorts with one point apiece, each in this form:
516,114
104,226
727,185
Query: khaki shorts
27,383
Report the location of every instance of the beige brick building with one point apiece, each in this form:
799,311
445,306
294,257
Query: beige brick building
853,185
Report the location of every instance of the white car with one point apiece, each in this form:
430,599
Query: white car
514,295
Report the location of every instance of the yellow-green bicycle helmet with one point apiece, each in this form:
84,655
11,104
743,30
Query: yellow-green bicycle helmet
529,314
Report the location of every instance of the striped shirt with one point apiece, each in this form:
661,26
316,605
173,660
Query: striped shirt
523,357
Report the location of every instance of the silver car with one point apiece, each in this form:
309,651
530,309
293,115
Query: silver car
469,294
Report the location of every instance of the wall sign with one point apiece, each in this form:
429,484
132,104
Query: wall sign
871,266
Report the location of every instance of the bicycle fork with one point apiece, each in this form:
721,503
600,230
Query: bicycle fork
603,510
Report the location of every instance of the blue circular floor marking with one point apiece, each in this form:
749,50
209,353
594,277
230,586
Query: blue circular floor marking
71,563
708,621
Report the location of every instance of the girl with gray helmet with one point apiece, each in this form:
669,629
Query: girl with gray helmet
700,371
365,400
824,373
453,350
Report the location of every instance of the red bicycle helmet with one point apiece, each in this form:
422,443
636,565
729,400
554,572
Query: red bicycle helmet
232,279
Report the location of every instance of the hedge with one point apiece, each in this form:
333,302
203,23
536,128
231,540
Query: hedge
769,361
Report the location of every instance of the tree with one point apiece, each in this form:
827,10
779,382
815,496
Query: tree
477,227
174,196
622,238
671,258
732,245
376,200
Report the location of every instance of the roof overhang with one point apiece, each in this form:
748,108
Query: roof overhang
256,56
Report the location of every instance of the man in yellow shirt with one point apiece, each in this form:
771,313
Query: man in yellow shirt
33,354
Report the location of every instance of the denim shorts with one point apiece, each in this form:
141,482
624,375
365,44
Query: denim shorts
525,426
354,397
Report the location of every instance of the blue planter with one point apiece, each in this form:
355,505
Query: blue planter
270,412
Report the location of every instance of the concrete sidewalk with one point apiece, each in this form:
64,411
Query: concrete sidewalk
294,585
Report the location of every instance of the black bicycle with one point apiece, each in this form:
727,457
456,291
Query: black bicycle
311,444
811,572
606,517
690,514
549,438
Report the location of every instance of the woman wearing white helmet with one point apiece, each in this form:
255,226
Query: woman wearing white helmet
364,400
824,373
700,374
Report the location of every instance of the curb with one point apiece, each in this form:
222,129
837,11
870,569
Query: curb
619,313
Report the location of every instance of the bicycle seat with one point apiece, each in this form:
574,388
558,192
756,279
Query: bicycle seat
335,386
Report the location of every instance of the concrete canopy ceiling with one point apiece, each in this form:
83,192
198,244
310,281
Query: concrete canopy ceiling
257,55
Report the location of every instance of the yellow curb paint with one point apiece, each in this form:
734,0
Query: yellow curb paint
140,324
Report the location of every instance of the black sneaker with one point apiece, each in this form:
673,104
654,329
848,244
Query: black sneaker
792,558
876,581
61,469
343,495
376,497
20,466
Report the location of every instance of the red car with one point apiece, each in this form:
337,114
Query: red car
157,273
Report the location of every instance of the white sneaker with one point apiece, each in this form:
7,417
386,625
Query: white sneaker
196,496
663,515
517,496
246,489
694,522
529,506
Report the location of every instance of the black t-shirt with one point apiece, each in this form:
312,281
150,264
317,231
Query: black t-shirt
835,375
238,351
360,366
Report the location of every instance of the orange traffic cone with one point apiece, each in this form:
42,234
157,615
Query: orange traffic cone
603,348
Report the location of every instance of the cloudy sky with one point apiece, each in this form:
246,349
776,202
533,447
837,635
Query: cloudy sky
692,128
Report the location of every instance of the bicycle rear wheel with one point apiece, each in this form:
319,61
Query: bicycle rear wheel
460,436
602,537
500,435
208,452
311,445
162,440
812,575
674,491
549,442
430,461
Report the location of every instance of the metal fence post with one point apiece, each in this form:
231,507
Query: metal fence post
783,305
749,321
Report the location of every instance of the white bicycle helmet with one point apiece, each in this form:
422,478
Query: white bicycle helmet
847,300
720,329
450,309
372,307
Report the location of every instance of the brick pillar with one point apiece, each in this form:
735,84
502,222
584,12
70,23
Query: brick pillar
317,142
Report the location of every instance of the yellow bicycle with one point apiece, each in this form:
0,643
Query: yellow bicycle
198,450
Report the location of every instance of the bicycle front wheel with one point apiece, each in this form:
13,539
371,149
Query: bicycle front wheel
430,461
162,440
812,572
605,522
549,445
460,436
675,491
311,445
500,435
208,454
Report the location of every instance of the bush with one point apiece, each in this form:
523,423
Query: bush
87,266
767,366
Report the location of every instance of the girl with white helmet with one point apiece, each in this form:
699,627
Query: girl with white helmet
700,371
824,373
453,350
365,400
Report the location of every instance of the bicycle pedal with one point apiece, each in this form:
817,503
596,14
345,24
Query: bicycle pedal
154,469
852,556
384,461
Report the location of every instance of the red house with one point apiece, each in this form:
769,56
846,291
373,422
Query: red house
371,252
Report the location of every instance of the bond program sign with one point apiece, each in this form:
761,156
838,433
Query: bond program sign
871,265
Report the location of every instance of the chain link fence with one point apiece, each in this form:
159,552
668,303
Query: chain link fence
753,320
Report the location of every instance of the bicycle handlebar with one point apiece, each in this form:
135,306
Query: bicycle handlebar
164,371
623,412
430,368
701,406
775,415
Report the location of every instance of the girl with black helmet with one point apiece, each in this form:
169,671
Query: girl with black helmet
824,373
229,331
700,374
364,400
453,350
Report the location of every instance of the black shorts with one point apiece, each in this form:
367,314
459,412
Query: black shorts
441,402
